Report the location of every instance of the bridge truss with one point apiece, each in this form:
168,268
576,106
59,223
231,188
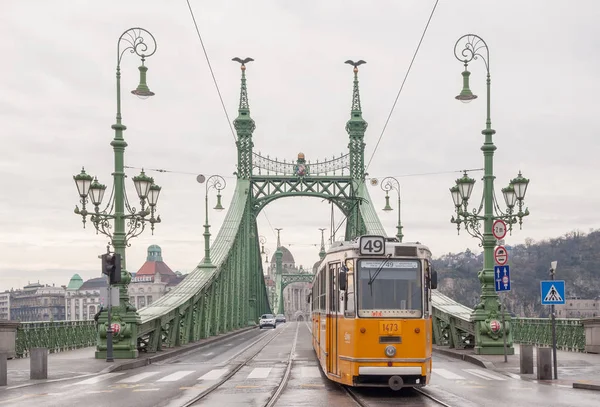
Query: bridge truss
230,294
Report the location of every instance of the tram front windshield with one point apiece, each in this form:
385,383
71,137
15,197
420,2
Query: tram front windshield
389,288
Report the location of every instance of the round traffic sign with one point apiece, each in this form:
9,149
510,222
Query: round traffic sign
495,325
499,229
500,255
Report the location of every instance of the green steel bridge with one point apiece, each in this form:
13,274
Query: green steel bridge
228,292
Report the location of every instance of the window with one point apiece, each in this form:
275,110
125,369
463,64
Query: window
389,288
350,306
149,299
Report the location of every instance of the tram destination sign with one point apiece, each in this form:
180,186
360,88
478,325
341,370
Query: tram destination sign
372,245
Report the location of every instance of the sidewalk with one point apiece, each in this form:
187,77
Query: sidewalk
575,369
81,362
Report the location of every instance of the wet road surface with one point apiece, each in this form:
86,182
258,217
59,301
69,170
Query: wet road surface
279,365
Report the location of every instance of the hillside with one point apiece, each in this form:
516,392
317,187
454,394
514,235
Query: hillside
578,257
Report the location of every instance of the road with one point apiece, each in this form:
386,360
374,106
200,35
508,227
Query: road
253,367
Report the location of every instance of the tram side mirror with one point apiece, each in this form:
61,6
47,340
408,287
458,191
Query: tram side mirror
434,278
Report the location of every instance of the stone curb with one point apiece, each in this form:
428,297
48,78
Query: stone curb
467,358
587,386
137,363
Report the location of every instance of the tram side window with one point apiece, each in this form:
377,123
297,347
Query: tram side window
350,310
333,290
321,293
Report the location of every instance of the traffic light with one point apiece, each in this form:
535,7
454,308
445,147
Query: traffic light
111,266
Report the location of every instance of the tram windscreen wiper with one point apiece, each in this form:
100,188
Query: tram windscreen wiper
371,279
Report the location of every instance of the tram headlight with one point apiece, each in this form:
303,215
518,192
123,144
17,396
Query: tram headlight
390,351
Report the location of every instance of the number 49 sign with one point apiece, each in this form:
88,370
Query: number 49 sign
372,245
499,229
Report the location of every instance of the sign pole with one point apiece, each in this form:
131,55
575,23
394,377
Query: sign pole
503,328
109,341
552,272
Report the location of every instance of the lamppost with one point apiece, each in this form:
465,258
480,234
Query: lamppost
213,182
118,210
488,340
387,184
264,251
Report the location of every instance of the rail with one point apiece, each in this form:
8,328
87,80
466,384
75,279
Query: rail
57,336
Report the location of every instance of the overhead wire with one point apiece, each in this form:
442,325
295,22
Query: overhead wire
403,82
211,71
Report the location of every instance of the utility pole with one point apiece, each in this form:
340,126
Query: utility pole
554,361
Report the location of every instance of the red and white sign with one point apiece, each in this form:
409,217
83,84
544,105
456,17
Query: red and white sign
499,229
116,328
500,255
494,325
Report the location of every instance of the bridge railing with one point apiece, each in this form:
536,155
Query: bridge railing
570,333
57,336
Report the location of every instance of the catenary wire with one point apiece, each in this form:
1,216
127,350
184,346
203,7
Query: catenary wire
212,72
403,82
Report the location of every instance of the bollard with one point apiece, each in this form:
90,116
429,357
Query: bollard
526,359
38,364
544,363
3,369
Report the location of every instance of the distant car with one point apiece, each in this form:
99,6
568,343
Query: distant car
280,318
267,320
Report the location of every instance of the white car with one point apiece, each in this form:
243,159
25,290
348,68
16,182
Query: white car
267,320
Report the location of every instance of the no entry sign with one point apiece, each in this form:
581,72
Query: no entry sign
500,255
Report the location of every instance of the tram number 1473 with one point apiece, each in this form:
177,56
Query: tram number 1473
388,327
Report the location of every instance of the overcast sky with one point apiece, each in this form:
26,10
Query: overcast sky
57,103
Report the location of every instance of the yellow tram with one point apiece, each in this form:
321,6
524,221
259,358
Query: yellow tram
371,313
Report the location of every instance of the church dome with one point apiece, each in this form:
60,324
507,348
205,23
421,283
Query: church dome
75,282
287,256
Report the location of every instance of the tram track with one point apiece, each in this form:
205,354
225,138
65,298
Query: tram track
274,397
376,402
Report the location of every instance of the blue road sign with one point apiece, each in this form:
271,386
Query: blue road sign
502,278
553,292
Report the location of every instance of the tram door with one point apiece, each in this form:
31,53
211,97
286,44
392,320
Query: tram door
332,320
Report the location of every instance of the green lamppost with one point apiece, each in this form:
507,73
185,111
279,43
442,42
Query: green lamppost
387,184
213,182
488,338
127,221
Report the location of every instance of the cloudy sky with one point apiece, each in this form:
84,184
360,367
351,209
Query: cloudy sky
57,103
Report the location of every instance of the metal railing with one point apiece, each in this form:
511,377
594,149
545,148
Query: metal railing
57,336
570,333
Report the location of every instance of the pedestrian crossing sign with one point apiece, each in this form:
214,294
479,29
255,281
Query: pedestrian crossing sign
553,292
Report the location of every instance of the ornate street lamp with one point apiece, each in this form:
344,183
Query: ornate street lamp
213,182
387,184
487,340
127,221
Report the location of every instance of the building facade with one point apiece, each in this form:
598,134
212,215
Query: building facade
5,305
38,302
153,280
575,307
84,299
295,304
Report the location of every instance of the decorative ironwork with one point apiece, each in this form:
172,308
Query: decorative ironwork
244,126
136,44
570,333
275,167
57,336
287,279
471,49
266,189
